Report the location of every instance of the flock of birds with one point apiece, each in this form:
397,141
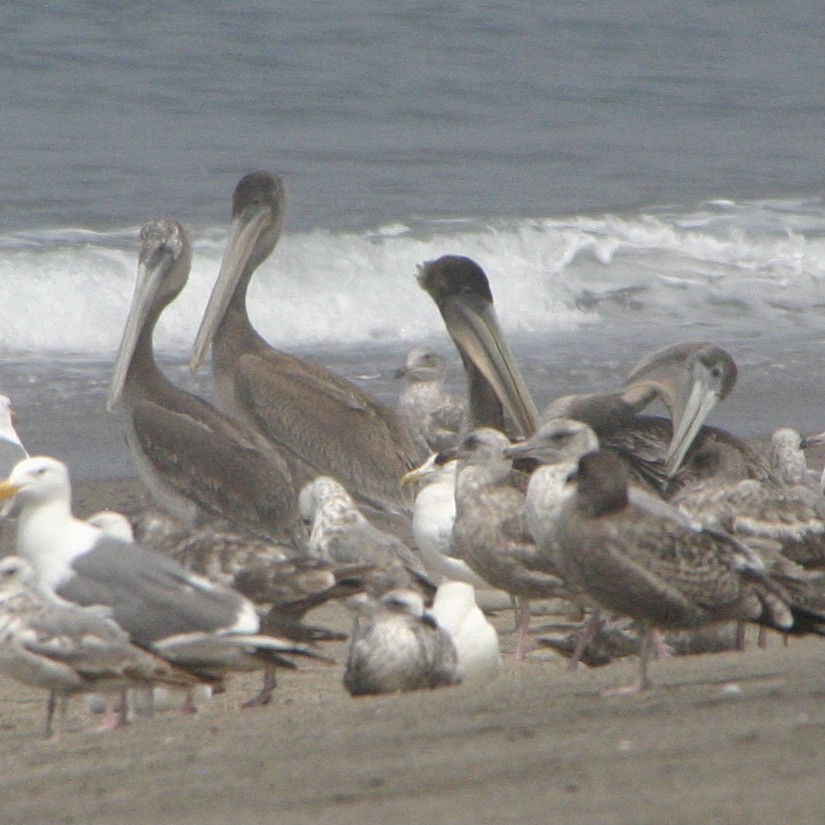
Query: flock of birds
298,488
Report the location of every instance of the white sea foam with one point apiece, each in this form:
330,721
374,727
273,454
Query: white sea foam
68,290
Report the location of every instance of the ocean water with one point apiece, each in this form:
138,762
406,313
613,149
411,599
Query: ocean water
628,176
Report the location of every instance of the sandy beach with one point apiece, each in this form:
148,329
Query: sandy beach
722,738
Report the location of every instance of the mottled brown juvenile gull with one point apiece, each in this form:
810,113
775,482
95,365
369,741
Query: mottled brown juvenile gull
324,424
340,533
660,571
204,627
198,464
283,582
787,460
790,515
52,644
476,640
557,446
433,416
491,532
400,647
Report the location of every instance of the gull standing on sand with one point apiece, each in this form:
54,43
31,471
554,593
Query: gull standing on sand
557,446
283,582
476,640
787,460
491,532
400,647
660,571
198,625
49,643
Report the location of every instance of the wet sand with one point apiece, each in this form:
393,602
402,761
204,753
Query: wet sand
722,738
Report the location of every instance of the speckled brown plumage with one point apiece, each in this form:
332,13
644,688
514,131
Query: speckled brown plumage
660,571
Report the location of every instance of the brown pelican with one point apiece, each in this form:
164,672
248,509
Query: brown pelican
400,647
197,462
49,643
322,423
490,531
496,389
658,570
433,416
689,378
200,626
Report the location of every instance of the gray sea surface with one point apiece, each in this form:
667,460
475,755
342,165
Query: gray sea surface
629,174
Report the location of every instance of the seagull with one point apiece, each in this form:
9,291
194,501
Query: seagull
200,626
49,643
11,447
400,647
490,531
433,416
790,515
341,533
661,571
476,640
113,524
434,517
557,446
786,458
283,582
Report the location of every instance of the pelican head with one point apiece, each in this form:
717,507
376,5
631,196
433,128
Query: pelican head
258,206
462,294
164,261
690,379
